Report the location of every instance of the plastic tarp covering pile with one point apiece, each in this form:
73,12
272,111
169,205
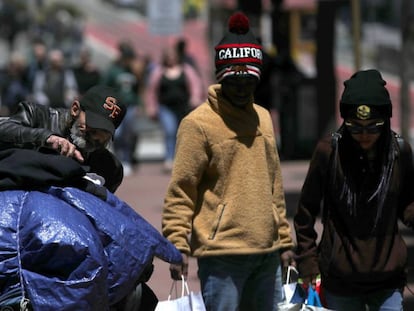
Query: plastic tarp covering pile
70,250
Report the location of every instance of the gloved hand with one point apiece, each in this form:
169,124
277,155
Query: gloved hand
176,270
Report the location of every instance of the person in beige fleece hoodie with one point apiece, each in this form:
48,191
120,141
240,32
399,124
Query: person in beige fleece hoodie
225,202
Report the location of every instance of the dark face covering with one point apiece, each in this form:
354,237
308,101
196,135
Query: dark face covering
239,89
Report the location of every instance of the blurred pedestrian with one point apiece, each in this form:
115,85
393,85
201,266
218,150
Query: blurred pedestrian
87,74
37,59
183,54
360,180
125,74
13,19
173,90
55,86
225,202
62,25
289,79
264,94
14,85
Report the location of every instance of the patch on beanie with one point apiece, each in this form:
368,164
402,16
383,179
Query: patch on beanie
363,112
238,52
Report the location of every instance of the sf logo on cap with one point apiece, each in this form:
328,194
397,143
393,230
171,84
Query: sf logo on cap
110,104
363,112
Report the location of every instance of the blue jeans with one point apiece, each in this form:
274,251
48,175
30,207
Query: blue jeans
169,124
386,300
239,282
279,293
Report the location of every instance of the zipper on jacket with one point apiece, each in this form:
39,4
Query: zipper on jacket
217,222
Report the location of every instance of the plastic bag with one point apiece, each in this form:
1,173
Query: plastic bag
188,301
14,300
294,293
313,302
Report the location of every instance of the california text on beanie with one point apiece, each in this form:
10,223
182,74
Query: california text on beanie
238,52
102,108
365,96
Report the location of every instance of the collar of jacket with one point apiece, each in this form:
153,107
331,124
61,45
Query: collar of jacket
220,103
243,121
65,121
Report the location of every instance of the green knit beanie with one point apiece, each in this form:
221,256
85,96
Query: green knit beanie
365,96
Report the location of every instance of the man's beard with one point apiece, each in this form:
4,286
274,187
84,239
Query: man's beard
80,140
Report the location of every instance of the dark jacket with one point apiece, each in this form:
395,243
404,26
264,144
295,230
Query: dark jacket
31,126
360,200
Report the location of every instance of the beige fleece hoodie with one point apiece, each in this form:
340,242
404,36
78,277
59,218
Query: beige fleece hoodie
225,196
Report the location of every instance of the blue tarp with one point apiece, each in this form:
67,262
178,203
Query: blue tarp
69,250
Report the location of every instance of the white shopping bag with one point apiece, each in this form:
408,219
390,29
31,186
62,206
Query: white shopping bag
188,301
313,308
284,306
294,293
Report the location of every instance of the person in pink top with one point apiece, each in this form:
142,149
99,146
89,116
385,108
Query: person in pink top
174,88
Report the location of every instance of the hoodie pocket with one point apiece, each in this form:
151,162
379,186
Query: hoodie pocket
216,223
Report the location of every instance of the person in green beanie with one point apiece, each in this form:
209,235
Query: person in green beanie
360,182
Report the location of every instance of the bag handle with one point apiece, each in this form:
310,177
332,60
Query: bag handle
184,288
289,269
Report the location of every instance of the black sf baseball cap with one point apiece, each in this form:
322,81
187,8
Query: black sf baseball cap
102,108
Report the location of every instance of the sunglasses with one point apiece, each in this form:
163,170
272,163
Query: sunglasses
373,128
